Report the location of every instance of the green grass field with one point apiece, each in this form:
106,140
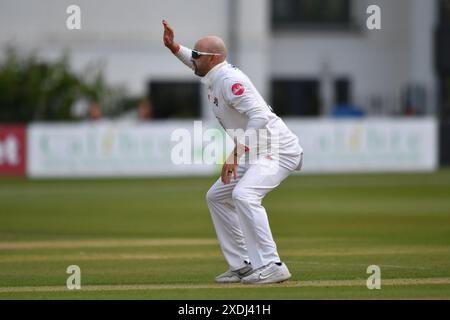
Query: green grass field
154,239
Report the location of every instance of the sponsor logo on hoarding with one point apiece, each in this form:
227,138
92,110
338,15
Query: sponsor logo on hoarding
12,150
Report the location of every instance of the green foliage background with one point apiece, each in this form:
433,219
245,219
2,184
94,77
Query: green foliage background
34,89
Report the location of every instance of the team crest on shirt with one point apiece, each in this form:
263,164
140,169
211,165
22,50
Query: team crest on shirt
238,89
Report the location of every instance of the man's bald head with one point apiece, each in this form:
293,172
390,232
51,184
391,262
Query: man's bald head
209,44
212,44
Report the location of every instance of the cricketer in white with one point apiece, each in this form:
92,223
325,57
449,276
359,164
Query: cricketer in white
234,201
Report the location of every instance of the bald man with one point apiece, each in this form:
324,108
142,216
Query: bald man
263,157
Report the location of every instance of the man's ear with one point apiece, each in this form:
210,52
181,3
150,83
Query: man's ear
211,60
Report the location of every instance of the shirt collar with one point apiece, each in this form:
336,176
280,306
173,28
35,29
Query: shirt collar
208,79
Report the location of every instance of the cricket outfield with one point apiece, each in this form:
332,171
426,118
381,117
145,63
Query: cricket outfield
154,239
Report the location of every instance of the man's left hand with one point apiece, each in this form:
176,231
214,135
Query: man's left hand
228,170
230,167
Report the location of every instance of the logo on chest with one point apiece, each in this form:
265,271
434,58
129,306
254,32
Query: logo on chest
214,100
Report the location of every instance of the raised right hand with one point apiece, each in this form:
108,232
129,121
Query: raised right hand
168,37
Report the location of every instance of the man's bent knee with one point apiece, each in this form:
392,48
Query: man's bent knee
212,195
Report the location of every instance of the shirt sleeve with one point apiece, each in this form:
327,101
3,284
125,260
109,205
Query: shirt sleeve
184,55
239,95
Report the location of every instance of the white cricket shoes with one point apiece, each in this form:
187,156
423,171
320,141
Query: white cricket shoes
271,273
234,276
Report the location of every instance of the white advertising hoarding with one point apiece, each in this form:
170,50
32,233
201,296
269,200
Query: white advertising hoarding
108,149
145,149
368,145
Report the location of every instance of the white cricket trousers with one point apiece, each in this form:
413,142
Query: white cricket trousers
240,220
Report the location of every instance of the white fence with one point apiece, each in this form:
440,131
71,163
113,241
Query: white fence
109,149
368,144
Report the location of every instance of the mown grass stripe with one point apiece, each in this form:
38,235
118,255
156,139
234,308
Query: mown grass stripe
104,243
289,284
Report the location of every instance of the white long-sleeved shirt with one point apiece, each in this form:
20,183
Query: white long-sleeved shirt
238,105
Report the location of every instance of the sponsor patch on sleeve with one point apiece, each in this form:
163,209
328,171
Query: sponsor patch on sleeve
238,89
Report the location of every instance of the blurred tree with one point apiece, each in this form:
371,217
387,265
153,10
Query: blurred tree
32,89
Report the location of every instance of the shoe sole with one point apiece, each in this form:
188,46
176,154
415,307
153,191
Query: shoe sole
230,281
269,280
